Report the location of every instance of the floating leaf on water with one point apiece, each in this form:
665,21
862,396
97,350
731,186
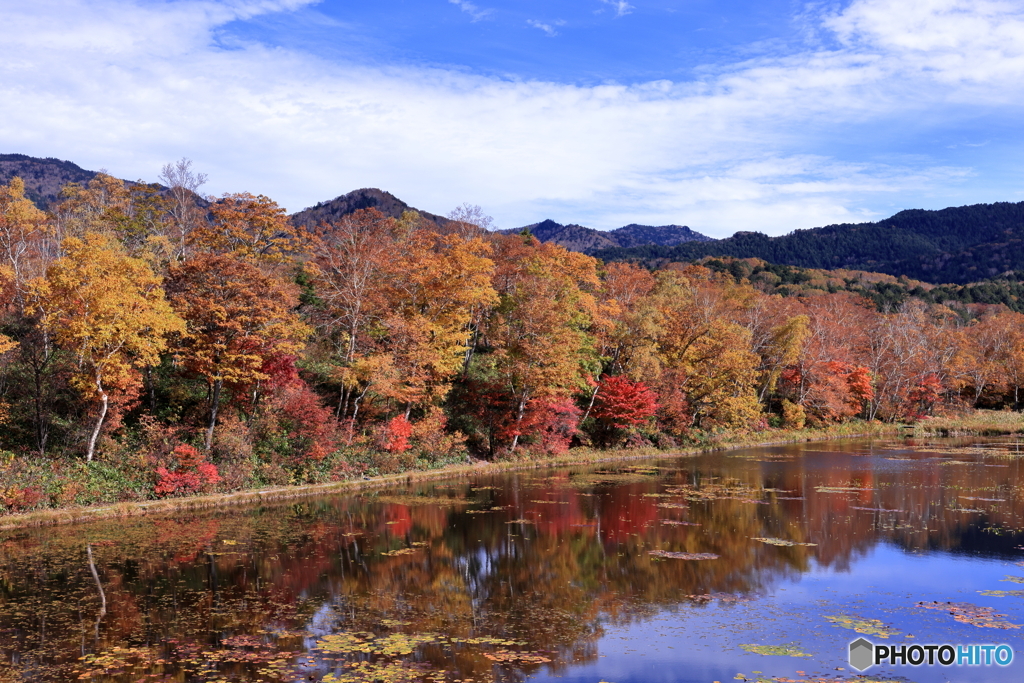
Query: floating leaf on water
1003,594
1014,579
391,645
721,597
780,542
964,612
791,650
682,556
676,522
872,627
386,672
508,657
520,521
400,551
842,489
487,640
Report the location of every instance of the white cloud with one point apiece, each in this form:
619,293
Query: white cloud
546,27
622,8
472,10
129,86
952,40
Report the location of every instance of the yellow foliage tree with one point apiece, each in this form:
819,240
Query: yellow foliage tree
109,310
22,227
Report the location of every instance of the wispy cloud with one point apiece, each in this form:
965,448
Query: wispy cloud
547,27
472,10
130,85
621,7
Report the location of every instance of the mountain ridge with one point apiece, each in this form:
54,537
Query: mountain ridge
576,237
44,177
955,245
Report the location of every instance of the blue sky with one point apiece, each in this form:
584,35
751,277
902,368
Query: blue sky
724,116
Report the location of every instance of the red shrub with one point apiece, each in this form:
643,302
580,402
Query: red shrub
17,499
310,425
191,475
396,435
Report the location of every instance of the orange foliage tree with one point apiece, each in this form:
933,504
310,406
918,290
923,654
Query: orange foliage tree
236,319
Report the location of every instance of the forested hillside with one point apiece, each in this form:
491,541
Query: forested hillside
958,245
887,292
43,177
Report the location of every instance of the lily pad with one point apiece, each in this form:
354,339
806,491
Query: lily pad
682,556
780,542
964,612
790,650
871,627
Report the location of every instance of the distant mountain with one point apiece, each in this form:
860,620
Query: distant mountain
590,241
366,198
43,177
634,235
956,245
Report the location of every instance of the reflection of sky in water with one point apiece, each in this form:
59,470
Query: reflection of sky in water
701,644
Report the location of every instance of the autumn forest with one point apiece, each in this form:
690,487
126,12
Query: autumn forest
155,342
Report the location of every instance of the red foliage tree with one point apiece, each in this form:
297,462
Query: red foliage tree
550,424
924,396
622,403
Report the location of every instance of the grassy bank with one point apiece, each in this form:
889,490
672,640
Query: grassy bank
973,423
579,456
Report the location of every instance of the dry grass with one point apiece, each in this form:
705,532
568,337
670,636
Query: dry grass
578,456
973,423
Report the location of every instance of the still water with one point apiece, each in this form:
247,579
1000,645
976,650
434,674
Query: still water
761,564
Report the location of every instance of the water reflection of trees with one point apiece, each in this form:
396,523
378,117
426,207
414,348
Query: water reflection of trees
543,559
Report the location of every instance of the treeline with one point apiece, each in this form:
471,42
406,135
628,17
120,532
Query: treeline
183,344
959,244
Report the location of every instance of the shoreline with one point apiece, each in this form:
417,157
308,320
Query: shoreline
581,456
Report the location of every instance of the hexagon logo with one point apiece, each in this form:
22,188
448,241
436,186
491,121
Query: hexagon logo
862,654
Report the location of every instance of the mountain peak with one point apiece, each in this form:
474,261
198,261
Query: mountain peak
588,240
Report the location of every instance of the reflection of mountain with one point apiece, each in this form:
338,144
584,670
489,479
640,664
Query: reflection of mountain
541,558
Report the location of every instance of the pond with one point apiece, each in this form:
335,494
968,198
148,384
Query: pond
760,564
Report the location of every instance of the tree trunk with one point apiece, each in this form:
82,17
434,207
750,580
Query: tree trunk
104,401
214,406
355,414
519,420
151,389
590,406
